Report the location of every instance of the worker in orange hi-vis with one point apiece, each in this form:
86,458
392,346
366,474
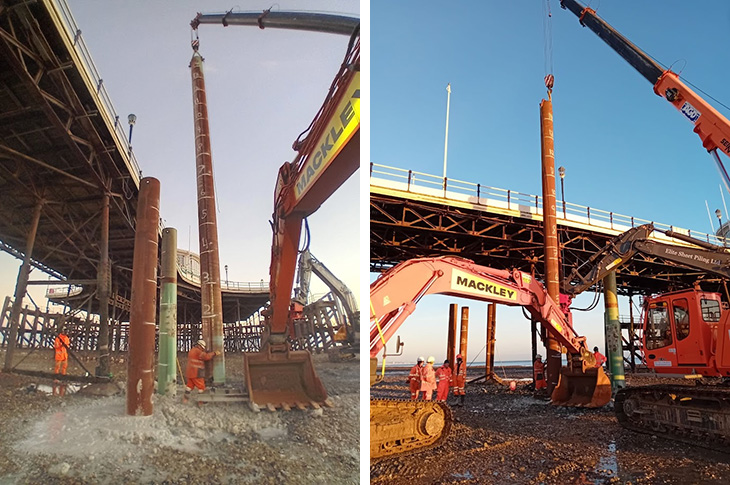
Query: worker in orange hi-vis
414,378
61,345
460,380
194,370
538,373
428,379
600,358
443,376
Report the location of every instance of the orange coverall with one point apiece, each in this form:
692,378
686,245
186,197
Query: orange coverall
538,374
443,374
195,368
459,378
600,359
61,353
428,381
414,379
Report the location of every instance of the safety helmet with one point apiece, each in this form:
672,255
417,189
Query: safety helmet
420,359
201,342
458,356
538,357
431,359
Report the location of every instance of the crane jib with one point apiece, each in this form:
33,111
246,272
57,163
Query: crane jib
337,133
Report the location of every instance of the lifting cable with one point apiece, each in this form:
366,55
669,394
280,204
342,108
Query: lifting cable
548,47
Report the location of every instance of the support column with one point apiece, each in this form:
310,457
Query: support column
632,330
464,337
210,271
550,228
451,343
140,368
613,333
103,284
491,338
168,314
20,288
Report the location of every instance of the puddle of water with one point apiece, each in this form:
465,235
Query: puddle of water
59,389
608,463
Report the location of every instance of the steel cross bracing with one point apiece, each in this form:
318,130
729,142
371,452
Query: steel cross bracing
57,148
62,145
407,224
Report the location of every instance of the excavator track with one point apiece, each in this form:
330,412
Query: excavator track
399,427
698,415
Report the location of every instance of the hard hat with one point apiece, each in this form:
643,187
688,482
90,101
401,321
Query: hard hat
431,359
538,357
458,356
201,342
420,359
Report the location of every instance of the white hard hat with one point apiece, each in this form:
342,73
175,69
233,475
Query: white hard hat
431,359
538,356
201,342
420,359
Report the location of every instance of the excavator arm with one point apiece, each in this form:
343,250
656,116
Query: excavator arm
308,264
711,126
705,257
330,153
395,294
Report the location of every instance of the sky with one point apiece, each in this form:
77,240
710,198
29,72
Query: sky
624,148
264,87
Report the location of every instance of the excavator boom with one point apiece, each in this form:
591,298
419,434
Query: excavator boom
706,257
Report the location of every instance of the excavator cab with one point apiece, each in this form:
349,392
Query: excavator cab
581,384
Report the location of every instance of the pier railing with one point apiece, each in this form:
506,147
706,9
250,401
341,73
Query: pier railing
527,204
95,83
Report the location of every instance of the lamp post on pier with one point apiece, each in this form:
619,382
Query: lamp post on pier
446,142
132,119
720,232
561,172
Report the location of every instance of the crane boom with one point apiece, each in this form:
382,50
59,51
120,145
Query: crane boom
711,126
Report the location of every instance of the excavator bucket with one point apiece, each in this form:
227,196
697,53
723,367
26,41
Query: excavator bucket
283,380
590,389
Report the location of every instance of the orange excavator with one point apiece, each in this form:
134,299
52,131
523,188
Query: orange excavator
278,377
403,426
699,416
684,334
